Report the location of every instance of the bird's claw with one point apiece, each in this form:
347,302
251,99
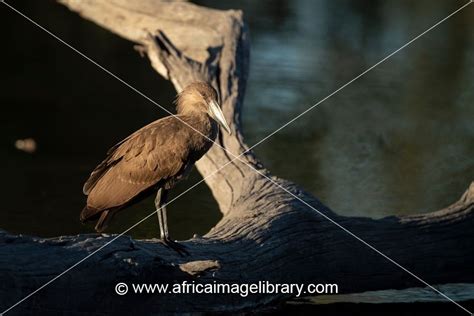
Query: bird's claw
180,249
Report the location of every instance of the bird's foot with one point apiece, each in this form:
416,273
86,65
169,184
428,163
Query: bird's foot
180,249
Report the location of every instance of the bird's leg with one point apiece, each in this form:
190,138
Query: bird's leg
160,204
160,208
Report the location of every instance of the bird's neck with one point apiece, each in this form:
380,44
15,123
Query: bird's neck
200,121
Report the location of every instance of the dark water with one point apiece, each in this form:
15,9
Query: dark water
400,140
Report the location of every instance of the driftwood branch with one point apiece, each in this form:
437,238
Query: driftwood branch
265,234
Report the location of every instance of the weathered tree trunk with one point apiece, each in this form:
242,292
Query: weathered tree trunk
265,234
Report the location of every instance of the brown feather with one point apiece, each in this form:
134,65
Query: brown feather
103,222
87,213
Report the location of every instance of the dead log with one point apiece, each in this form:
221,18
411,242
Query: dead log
265,234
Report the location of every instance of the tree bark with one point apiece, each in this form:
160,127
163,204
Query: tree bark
265,234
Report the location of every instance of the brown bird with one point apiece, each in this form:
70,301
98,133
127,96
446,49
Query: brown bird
155,157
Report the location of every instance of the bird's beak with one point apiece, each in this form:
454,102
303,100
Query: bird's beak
216,113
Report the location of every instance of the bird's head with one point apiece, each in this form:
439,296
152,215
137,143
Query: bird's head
201,97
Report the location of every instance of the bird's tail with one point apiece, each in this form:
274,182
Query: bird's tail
89,213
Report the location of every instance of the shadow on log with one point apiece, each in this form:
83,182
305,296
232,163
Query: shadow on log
265,234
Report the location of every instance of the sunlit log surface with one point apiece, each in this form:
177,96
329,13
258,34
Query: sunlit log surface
265,234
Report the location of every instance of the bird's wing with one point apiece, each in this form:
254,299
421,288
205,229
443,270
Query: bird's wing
112,158
156,152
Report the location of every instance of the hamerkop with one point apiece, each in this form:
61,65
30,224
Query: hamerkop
155,158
